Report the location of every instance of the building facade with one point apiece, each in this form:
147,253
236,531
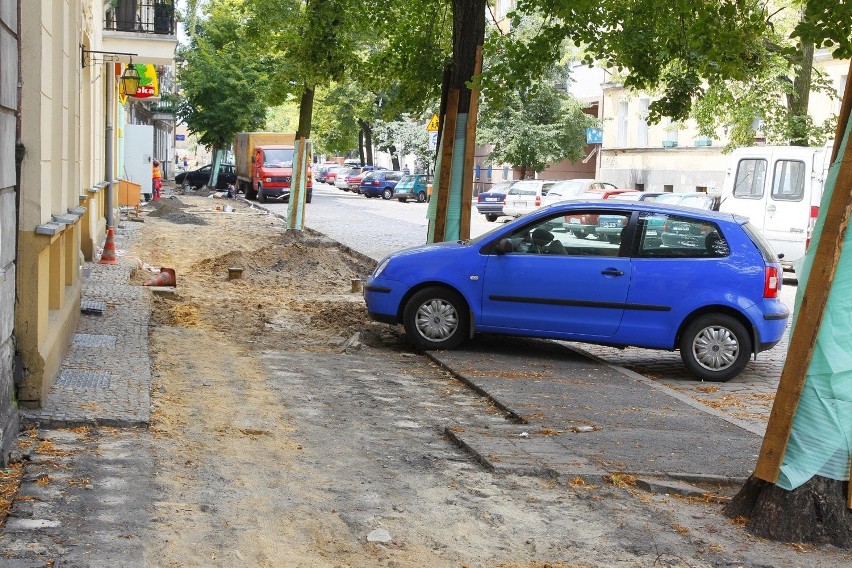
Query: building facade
9,126
74,52
672,156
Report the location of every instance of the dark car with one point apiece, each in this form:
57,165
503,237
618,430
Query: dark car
380,183
717,303
199,178
490,203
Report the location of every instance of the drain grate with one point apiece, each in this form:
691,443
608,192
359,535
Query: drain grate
83,379
92,307
89,340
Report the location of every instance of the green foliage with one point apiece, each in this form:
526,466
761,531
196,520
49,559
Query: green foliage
529,122
676,45
828,23
535,128
223,86
406,136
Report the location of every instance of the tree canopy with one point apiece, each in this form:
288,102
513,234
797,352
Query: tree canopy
223,86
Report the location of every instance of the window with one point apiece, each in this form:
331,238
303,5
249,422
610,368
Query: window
642,140
751,175
788,180
670,236
668,189
639,187
585,233
622,124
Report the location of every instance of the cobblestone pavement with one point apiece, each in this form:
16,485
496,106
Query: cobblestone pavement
748,397
385,226
105,378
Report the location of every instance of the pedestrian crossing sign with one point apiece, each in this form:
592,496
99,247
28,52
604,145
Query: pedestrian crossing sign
433,124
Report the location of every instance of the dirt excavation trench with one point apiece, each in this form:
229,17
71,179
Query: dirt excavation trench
289,430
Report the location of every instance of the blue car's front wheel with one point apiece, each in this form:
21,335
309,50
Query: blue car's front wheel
436,318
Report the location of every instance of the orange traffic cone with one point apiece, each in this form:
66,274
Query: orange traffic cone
108,256
166,277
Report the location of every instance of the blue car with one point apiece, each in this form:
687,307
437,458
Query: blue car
379,183
714,298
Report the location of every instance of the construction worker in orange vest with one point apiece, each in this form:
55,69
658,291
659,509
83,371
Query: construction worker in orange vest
157,180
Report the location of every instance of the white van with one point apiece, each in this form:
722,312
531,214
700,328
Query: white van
779,189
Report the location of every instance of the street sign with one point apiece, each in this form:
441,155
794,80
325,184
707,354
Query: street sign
594,136
433,124
180,137
433,141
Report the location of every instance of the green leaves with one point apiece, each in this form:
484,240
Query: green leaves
223,85
827,23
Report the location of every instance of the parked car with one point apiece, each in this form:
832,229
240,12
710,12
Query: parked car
720,309
697,199
352,178
322,171
379,183
490,203
412,186
551,192
584,225
342,181
198,178
331,174
525,195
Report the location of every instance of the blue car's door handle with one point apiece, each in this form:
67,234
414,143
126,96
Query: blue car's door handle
612,272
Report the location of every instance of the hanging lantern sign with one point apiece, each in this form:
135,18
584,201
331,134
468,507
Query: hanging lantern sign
147,86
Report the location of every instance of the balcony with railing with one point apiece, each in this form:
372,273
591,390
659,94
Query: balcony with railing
146,28
141,16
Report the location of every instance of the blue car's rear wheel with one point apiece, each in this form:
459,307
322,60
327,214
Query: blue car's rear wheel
715,347
436,318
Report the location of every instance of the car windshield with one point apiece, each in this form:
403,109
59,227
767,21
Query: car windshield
569,188
628,196
280,158
529,187
369,177
407,180
670,198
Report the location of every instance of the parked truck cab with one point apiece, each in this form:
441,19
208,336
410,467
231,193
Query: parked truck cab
272,173
264,162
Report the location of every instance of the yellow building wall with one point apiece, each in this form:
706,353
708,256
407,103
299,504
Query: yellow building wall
62,118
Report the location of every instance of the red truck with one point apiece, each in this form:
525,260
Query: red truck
264,164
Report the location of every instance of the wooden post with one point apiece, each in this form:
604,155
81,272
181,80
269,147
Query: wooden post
449,138
470,153
811,309
295,219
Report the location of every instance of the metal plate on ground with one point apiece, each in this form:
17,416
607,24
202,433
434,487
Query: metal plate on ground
92,307
89,340
83,379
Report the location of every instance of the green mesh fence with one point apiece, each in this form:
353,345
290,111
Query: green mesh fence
821,439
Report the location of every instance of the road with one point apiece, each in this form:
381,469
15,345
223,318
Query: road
376,227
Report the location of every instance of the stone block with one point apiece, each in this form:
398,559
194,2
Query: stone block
7,148
8,70
7,229
9,13
7,303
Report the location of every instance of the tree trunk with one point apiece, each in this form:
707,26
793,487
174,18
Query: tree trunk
368,143
797,101
468,33
306,112
394,158
361,142
814,513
